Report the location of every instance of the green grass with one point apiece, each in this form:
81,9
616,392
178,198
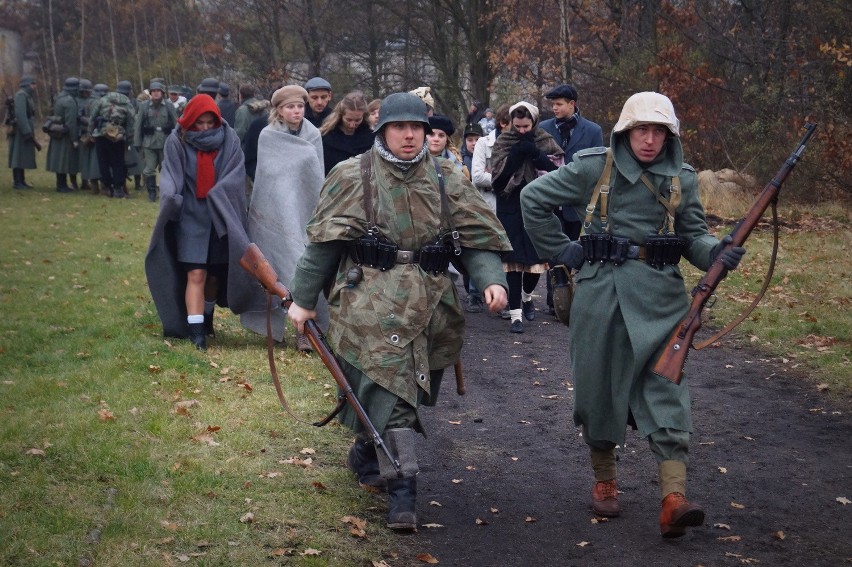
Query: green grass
89,390
87,379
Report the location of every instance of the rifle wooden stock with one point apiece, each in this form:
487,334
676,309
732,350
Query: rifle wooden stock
671,362
255,263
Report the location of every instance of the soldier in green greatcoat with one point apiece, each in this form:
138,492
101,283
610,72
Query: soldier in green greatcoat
132,158
89,171
629,295
22,143
63,157
395,321
155,120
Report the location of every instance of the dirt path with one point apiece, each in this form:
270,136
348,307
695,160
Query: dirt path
769,459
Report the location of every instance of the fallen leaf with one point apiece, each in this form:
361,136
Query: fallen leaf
183,558
481,522
737,506
213,428
165,541
779,535
843,500
454,422
583,544
278,552
723,470
318,485
203,543
456,481
494,510
272,474
530,519
379,564
205,438
171,526
153,369
435,503
600,520
822,387
729,538
187,404
433,525
722,526
426,558
354,521
307,463
105,415
247,518
36,452
310,551
308,451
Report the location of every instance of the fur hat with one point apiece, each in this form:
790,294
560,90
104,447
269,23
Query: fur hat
289,93
441,122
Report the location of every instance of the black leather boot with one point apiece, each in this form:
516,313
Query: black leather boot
17,179
24,179
62,183
197,335
362,460
137,182
73,179
151,183
402,503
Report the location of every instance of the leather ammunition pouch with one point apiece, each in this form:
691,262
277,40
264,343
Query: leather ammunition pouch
382,254
658,251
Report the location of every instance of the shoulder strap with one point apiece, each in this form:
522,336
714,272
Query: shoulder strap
671,204
367,188
601,192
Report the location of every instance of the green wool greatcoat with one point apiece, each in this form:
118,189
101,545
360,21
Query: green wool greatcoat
89,168
397,325
62,156
622,315
21,145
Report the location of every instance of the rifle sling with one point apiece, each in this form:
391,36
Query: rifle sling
273,368
747,311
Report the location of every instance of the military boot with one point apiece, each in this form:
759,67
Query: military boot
96,186
119,192
24,179
17,179
605,492
151,183
402,503
62,183
197,335
676,512
137,182
364,462
73,179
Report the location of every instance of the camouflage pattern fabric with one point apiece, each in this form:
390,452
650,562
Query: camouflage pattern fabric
396,325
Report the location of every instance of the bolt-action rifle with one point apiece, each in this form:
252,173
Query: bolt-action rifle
670,363
254,262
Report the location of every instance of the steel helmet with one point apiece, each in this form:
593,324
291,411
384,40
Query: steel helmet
402,107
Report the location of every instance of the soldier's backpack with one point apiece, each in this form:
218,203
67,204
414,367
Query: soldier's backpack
113,116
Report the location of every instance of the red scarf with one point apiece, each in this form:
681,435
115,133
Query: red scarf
205,172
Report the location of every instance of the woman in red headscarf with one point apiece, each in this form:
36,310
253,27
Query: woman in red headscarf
193,260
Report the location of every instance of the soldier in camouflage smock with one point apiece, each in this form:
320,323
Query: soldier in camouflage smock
395,329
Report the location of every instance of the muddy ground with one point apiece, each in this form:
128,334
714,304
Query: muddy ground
505,478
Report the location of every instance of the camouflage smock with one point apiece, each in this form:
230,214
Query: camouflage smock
396,325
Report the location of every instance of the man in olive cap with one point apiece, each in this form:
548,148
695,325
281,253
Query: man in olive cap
22,143
396,362
319,100
63,157
628,302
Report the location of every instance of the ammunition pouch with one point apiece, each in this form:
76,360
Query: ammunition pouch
113,132
664,250
383,255
562,284
148,130
657,252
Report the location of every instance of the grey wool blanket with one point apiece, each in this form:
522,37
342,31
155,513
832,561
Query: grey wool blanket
286,190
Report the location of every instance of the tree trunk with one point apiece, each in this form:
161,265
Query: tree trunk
112,40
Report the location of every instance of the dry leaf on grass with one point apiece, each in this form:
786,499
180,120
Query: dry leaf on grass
308,451
306,463
186,404
310,551
105,415
35,452
426,558
247,518
167,525
205,438
354,521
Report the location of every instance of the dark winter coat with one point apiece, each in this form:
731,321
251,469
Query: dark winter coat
338,147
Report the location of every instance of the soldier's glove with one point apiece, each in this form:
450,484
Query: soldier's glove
730,258
572,256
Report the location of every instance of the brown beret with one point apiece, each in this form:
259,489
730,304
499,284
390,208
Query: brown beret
290,93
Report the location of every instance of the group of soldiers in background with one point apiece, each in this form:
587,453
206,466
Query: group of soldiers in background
107,137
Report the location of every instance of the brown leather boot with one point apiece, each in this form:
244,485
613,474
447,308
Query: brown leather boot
605,499
677,513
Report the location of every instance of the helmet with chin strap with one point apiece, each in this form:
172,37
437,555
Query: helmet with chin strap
402,107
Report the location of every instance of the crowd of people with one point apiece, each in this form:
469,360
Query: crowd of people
367,212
